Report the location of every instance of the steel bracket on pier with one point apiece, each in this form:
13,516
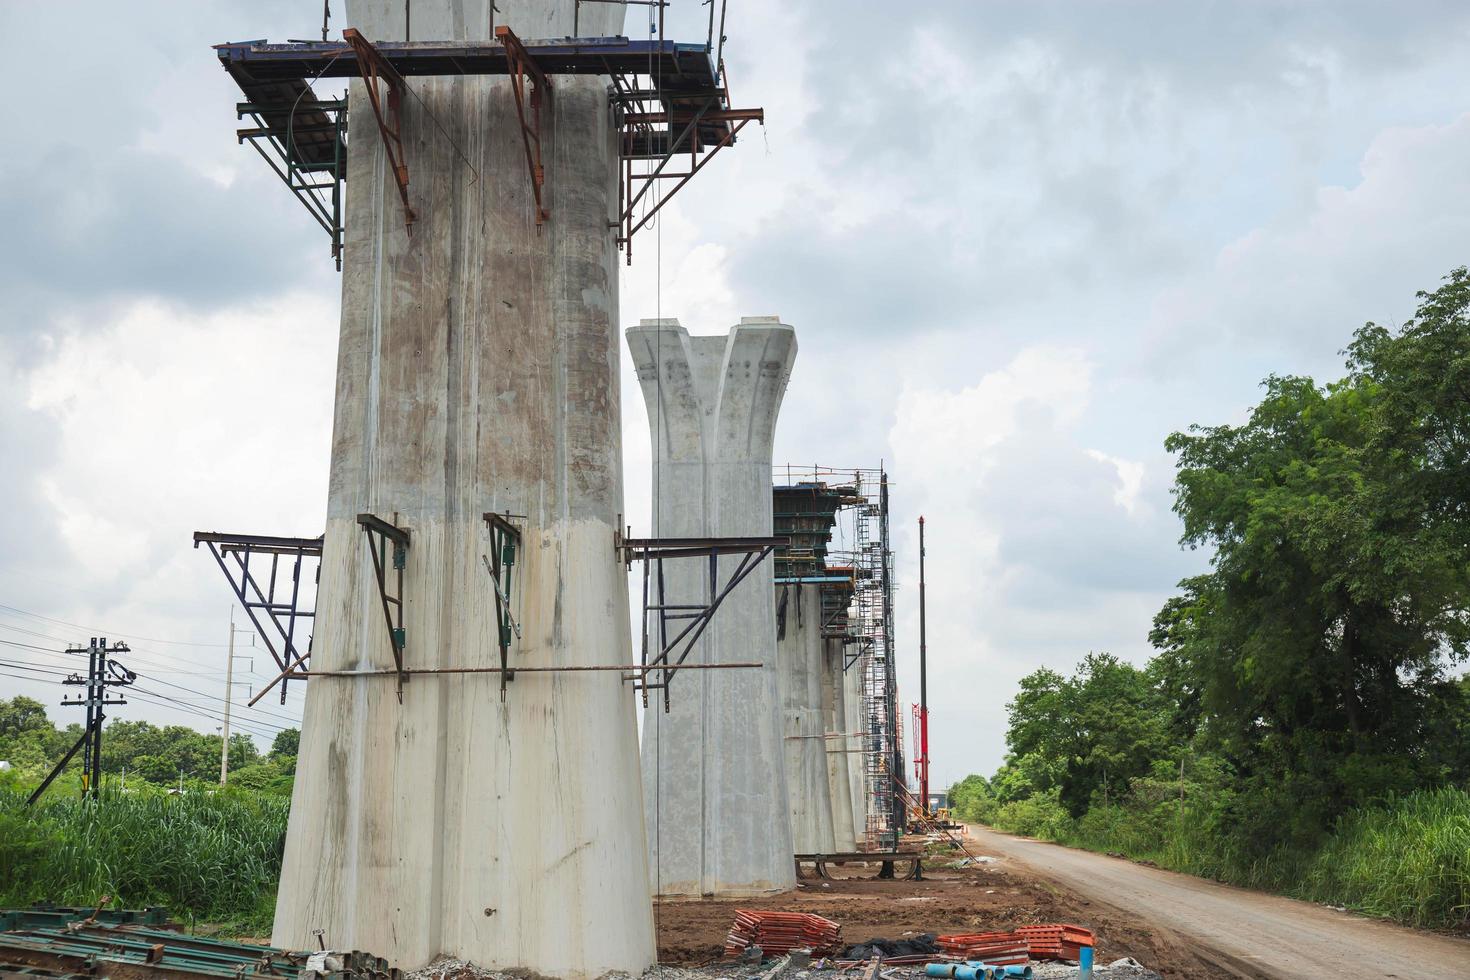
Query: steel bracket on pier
273,605
523,66
375,68
379,535
505,543
653,552
304,141
704,127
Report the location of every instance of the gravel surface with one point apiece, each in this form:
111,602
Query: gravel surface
452,969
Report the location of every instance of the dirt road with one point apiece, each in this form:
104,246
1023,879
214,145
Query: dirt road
1251,934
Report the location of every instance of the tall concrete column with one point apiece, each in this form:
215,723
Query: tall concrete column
834,720
852,705
713,773
478,371
799,654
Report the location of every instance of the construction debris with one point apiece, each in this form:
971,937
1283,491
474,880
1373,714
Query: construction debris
990,948
778,933
48,940
924,945
1056,942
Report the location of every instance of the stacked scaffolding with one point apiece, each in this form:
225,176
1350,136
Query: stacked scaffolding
869,637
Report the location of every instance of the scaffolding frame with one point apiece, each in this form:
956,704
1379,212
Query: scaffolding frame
669,100
282,610
869,637
673,652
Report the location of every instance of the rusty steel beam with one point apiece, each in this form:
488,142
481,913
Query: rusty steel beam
684,115
376,68
522,66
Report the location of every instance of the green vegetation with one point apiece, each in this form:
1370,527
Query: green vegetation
1301,726
207,855
138,752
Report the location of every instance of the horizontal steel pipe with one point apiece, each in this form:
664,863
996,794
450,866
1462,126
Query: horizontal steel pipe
632,668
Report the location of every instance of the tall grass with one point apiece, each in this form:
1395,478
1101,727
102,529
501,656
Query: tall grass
1407,859
202,855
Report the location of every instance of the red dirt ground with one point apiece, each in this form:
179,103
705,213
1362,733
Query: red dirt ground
973,899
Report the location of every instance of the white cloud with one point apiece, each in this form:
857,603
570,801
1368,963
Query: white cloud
1040,548
1295,287
1130,479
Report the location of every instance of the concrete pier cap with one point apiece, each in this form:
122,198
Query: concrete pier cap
713,766
478,371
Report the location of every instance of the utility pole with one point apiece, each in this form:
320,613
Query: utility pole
102,673
923,685
224,751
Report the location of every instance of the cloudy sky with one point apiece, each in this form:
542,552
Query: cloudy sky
1020,243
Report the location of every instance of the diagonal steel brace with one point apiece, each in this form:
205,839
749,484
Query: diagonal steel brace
523,66
374,68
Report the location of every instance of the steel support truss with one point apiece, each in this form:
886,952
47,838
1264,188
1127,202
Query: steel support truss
649,119
375,68
304,142
522,66
505,542
379,534
673,651
274,605
669,99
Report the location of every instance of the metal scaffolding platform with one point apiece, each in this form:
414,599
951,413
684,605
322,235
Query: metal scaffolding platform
671,98
857,597
806,512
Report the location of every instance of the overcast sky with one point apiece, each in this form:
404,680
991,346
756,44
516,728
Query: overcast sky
1020,243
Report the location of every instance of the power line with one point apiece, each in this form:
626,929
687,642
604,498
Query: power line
39,670
68,639
62,639
130,636
187,690
165,700
162,700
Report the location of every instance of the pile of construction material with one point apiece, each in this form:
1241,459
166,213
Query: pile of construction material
50,940
991,948
1058,941
778,933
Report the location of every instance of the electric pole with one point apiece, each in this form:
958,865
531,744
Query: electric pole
923,685
224,751
102,673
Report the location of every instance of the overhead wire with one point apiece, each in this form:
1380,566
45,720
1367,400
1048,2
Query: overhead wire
99,632
130,661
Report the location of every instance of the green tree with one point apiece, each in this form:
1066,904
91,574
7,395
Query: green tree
1315,651
21,715
1084,735
287,742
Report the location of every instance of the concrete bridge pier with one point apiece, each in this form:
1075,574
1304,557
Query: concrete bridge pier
713,772
799,654
834,720
852,706
478,370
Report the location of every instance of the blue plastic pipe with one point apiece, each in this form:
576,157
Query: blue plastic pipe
956,971
1084,963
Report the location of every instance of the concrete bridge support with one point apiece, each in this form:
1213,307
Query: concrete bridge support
799,654
478,371
852,706
713,772
834,720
